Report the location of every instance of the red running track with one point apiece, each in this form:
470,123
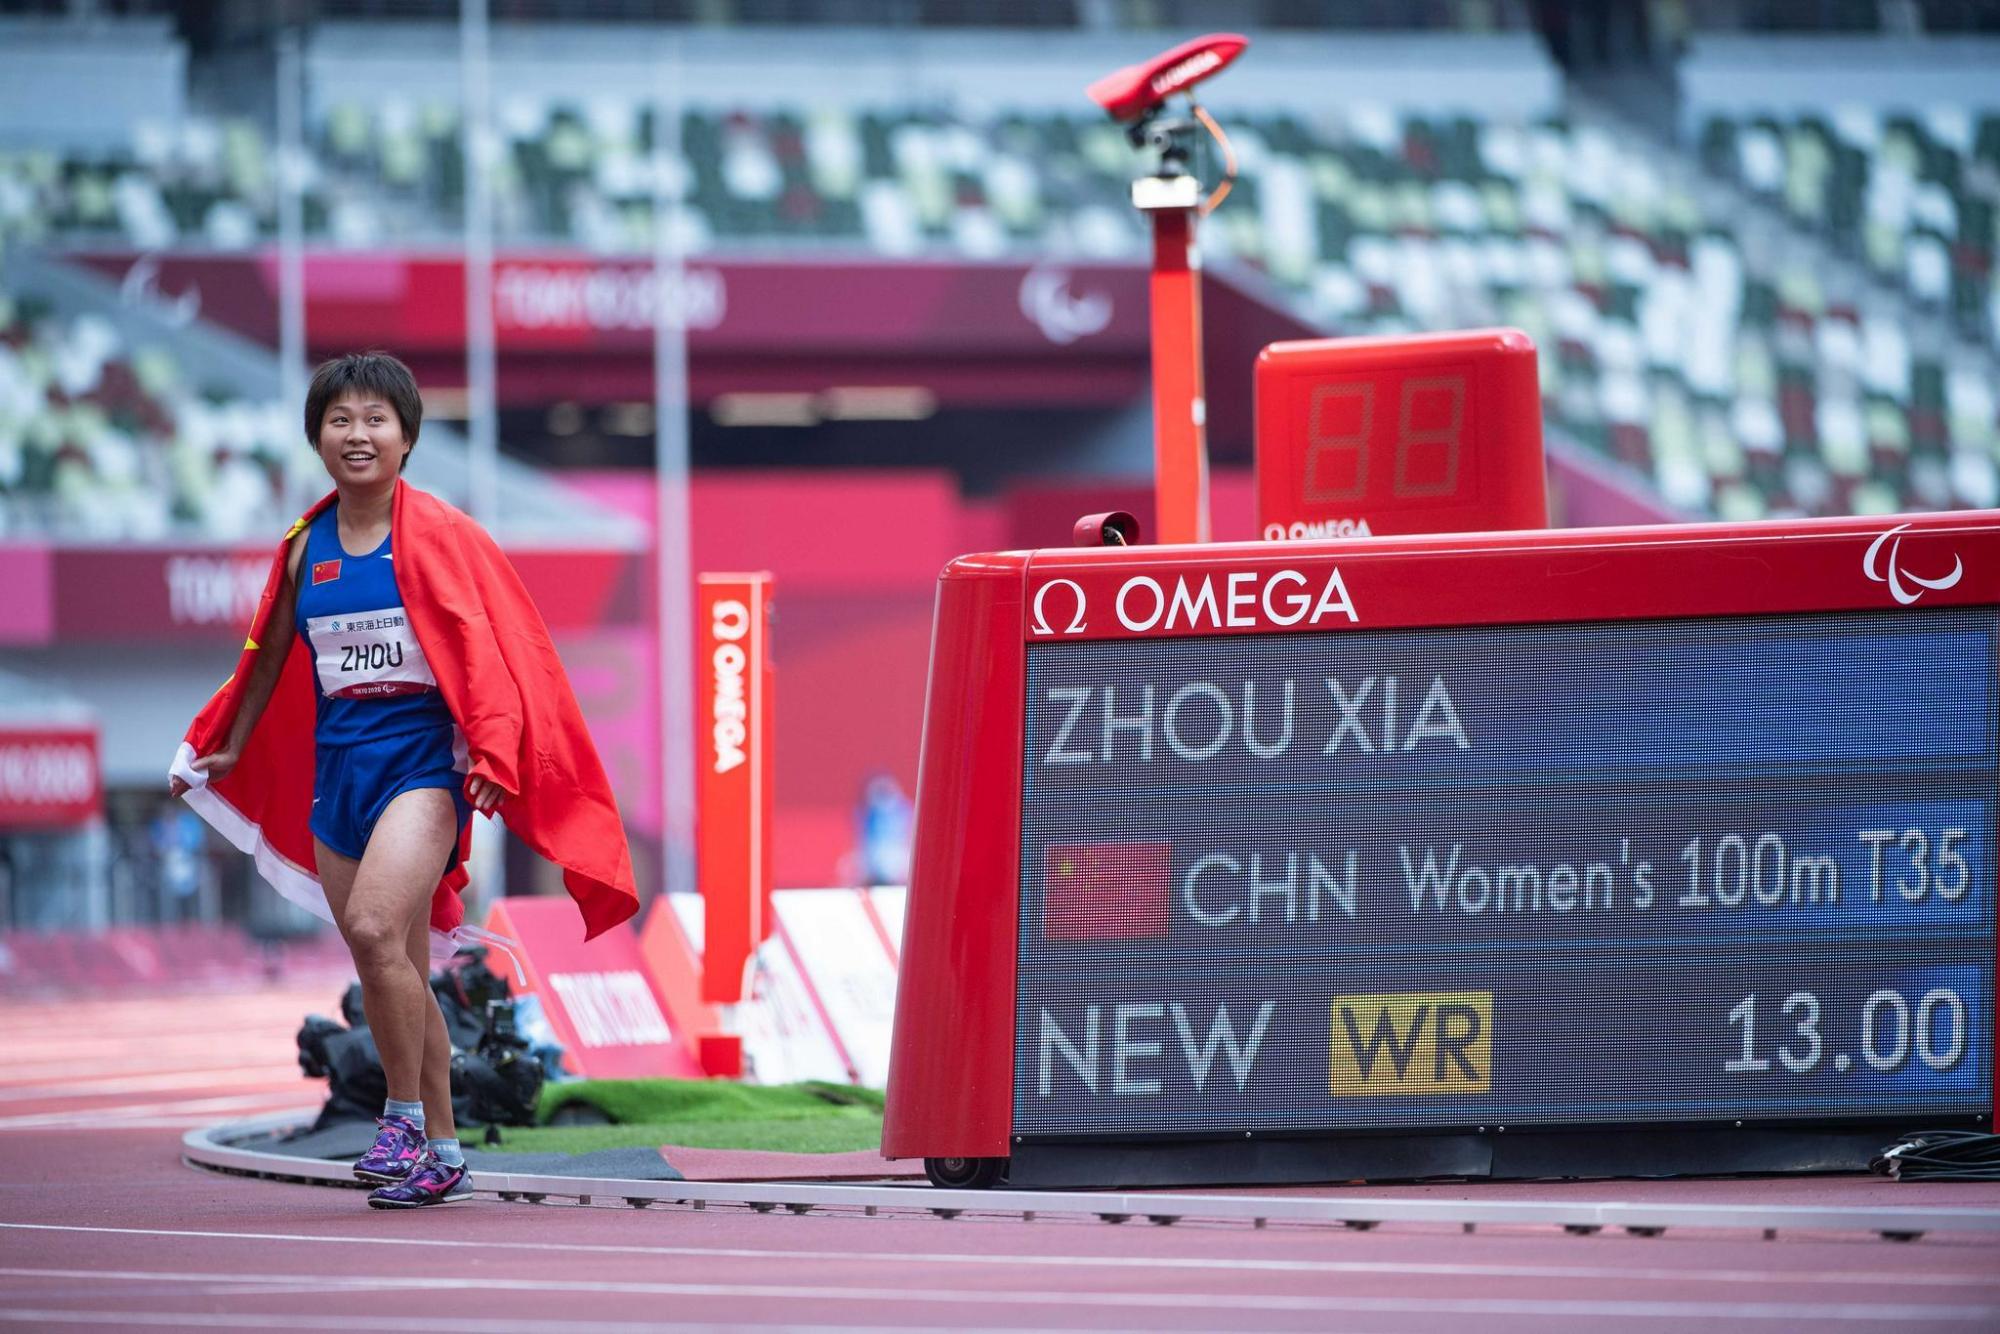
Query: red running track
101,1226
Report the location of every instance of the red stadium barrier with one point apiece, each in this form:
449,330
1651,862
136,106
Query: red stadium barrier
611,1016
49,776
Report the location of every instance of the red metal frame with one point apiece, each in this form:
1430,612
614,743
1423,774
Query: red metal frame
951,1090
1180,410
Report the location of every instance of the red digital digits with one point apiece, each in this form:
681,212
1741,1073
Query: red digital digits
1337,460
1410,436
1340,428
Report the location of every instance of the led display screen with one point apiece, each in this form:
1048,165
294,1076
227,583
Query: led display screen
1636,872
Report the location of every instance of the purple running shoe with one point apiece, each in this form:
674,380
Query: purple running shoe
399,1150
433,1182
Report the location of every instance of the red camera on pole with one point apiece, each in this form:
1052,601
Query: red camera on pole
1138,89
1137,97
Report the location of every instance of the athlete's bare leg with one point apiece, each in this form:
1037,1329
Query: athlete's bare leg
336,877
436,1078
377,903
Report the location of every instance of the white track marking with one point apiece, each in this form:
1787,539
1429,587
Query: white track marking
1009,1260
75,1061
112,1118
241,1289
55,1043
432,1284
106,1086
26,1076
147,1122
435,1324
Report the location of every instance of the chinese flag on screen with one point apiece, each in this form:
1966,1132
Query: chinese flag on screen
1105,891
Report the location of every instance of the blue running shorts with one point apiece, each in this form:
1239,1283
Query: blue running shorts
353,785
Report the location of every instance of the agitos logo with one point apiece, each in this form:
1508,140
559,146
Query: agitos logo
1892,573
1412,1043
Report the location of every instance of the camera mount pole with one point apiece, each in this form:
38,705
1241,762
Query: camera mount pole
1171,198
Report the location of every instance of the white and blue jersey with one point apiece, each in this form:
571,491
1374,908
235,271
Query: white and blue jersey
374,680
383,728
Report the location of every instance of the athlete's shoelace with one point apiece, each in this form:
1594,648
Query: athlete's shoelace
396,1140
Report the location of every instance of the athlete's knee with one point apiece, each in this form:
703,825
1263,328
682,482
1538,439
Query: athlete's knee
375,939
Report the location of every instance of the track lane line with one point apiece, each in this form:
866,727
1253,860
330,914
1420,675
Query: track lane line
255,1077
1273,1303
430,1324
1386,1268
147,1122
81,1119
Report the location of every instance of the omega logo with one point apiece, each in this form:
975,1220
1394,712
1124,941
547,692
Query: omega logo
1213,600
1893,574
1041,624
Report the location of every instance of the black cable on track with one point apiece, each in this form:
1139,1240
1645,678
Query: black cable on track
1941,1155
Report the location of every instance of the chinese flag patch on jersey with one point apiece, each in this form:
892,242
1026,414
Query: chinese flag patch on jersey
1105,891
326,571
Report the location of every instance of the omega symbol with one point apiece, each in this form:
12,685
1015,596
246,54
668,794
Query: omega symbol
1894,575
1041,625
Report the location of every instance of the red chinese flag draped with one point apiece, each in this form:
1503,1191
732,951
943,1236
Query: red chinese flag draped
1106,891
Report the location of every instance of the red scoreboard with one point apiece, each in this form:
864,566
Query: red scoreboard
1581,852
1432,433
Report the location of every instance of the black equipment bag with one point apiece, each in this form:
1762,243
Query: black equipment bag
495,1079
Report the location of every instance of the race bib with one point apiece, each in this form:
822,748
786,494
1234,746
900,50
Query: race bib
368,655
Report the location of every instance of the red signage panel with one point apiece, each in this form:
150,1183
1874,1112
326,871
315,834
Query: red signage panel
675,967
49,777
600,998
27,613
733,782
128,594
555,301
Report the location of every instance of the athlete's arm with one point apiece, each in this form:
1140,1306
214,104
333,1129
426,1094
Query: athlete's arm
271,655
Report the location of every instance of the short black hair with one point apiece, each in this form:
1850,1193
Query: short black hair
370,373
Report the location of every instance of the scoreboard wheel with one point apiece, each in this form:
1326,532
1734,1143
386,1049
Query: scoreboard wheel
965,1173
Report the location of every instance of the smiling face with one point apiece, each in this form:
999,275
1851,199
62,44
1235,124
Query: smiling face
361,441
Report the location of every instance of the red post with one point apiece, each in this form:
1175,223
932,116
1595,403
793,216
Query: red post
1180,411
733,783
1136,97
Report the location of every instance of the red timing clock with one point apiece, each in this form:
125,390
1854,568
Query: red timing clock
1429,433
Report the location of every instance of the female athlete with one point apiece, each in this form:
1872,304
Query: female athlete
435,694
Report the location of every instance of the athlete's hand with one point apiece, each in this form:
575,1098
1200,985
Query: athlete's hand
215,766
484,794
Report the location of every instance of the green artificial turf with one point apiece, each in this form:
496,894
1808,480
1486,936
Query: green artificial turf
709,1114
839,1134
635,1100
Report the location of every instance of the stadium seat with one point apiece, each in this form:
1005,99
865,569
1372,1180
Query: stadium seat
100,441
1911,194
1679,337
